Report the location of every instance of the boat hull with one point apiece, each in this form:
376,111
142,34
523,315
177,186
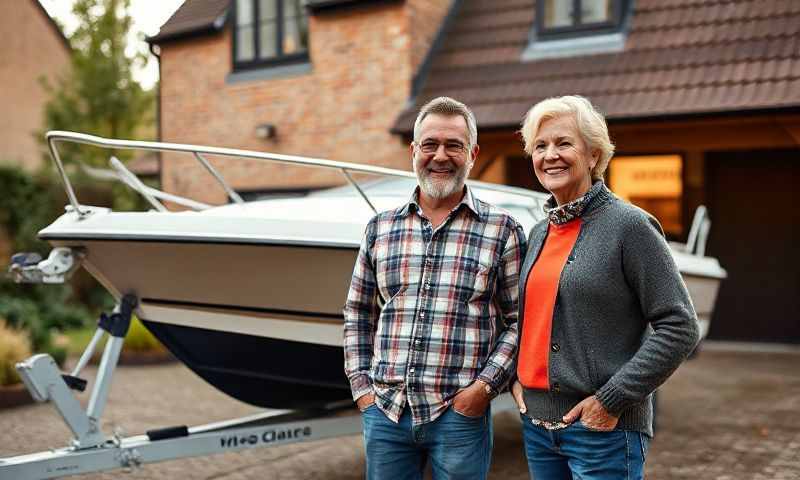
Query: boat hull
262,320
261,323
261,371
703,291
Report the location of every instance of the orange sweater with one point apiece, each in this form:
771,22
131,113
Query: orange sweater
541,290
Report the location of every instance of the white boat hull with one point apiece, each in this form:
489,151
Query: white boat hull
250,297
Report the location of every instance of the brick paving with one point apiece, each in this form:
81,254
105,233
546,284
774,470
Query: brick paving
723,416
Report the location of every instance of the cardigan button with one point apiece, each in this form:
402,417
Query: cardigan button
555,347
556,387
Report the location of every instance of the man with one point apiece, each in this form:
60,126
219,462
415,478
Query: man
431,317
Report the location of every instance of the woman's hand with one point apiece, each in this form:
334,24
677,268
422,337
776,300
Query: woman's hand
516,392
592,414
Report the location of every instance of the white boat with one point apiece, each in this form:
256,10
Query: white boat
249,295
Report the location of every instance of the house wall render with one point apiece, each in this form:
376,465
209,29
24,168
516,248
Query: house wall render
32,48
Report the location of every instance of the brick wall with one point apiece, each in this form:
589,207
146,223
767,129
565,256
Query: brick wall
361,69
31,49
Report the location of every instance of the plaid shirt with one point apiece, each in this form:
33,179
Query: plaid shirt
430,310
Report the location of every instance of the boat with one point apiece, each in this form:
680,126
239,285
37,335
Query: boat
249,295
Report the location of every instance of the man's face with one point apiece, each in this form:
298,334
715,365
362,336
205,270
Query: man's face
441,157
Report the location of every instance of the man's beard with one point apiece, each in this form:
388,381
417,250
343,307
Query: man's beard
441,188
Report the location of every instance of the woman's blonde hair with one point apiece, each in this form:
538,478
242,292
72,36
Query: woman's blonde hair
591,126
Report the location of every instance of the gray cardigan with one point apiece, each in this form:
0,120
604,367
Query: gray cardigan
623,320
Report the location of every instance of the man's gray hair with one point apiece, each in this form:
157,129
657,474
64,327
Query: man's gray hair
590,122
448,107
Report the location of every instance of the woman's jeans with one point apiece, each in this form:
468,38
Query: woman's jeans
457,447
578,452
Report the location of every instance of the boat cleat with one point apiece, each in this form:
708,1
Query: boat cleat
28,267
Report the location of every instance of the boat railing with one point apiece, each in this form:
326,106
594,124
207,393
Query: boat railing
698,234
153,195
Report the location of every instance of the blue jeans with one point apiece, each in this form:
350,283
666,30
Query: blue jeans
580,453
457,446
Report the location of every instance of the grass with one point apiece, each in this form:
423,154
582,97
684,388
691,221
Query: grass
76,340
138,339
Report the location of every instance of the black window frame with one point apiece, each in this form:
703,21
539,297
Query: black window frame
578,29
280,58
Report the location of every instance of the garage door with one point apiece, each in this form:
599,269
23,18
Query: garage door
755,234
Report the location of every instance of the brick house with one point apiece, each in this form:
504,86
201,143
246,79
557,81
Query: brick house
33,47
702,99
323,81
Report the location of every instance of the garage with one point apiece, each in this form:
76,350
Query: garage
755,234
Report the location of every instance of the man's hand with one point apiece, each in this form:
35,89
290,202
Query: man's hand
472,401
516,392
364,401
592,414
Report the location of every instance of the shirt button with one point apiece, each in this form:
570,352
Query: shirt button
422,315
555,347
411,370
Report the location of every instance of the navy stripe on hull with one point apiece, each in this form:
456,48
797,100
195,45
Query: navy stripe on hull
264,372
238,308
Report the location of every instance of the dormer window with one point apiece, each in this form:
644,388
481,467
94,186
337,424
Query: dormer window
269,32
566,28
566,18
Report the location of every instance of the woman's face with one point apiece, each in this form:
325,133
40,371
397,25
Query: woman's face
562,160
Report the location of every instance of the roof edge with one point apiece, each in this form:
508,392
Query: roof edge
418,80
422,72
214,27
320,7
654,118
55,26
325,6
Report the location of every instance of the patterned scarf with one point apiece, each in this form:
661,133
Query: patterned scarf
560,215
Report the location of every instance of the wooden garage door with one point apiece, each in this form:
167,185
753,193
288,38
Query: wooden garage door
755,234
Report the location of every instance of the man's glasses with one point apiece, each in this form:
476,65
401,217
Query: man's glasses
451,149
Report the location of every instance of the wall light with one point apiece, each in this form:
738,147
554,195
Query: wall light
266,131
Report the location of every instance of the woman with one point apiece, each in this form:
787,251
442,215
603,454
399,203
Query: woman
605,317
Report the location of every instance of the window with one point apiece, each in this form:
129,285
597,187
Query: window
653,183
570,18
268,32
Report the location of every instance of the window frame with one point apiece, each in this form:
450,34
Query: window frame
614,24
280,58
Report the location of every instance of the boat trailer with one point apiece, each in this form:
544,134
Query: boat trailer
90,450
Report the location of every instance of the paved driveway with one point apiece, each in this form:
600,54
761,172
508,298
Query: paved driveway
723,415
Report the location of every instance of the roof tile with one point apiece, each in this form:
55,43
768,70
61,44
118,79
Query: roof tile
680,57
191,16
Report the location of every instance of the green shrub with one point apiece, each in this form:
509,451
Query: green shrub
14,348
23,313
27,204
24,316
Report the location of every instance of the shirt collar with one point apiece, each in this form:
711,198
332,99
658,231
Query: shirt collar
471,202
